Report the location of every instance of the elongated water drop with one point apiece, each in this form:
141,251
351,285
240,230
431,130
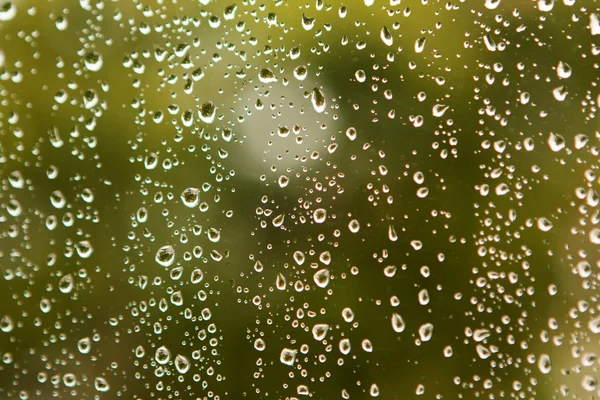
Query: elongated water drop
318,100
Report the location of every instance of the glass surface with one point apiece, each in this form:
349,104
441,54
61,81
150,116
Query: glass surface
284,199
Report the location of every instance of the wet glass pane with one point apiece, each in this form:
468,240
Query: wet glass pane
284,199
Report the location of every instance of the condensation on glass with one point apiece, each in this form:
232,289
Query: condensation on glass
287,199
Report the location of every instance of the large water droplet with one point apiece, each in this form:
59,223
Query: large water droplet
426,332
182,364
386,36
66,284
207,112
321,278
398,323
545,364
165,256
288,356
319,331
320,215
162,355
318,100
93,61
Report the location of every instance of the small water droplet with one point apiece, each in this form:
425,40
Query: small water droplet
320,215
191,197
93,61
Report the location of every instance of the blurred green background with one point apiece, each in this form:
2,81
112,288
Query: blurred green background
371,168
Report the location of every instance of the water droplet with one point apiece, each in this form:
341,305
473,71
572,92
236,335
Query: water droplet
581,141
162,355
448,351
390,270
101,385
288,356
214,235
259,344
6,324
386,36
151,161
321,278
564,70
490,44
545,5
594,24
351,133
280,282
197,276
45,306
556,142
594,325
595,235
426,332
544,224
354,226
360,75
420,44
439,110
191,197
84,345
57,199
61,23
93,61
320,215
560,93
348,314
182,364
307,22
278,220
345,346
139,351
392,235
318,100
165,256
398,323
374,390
66,284
422,192
267,76
301,72
545,364
367,345
483,352
492,4
283,181
84,249
208,112
481,334
299,257
319,331
416,244
7,11
589,383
